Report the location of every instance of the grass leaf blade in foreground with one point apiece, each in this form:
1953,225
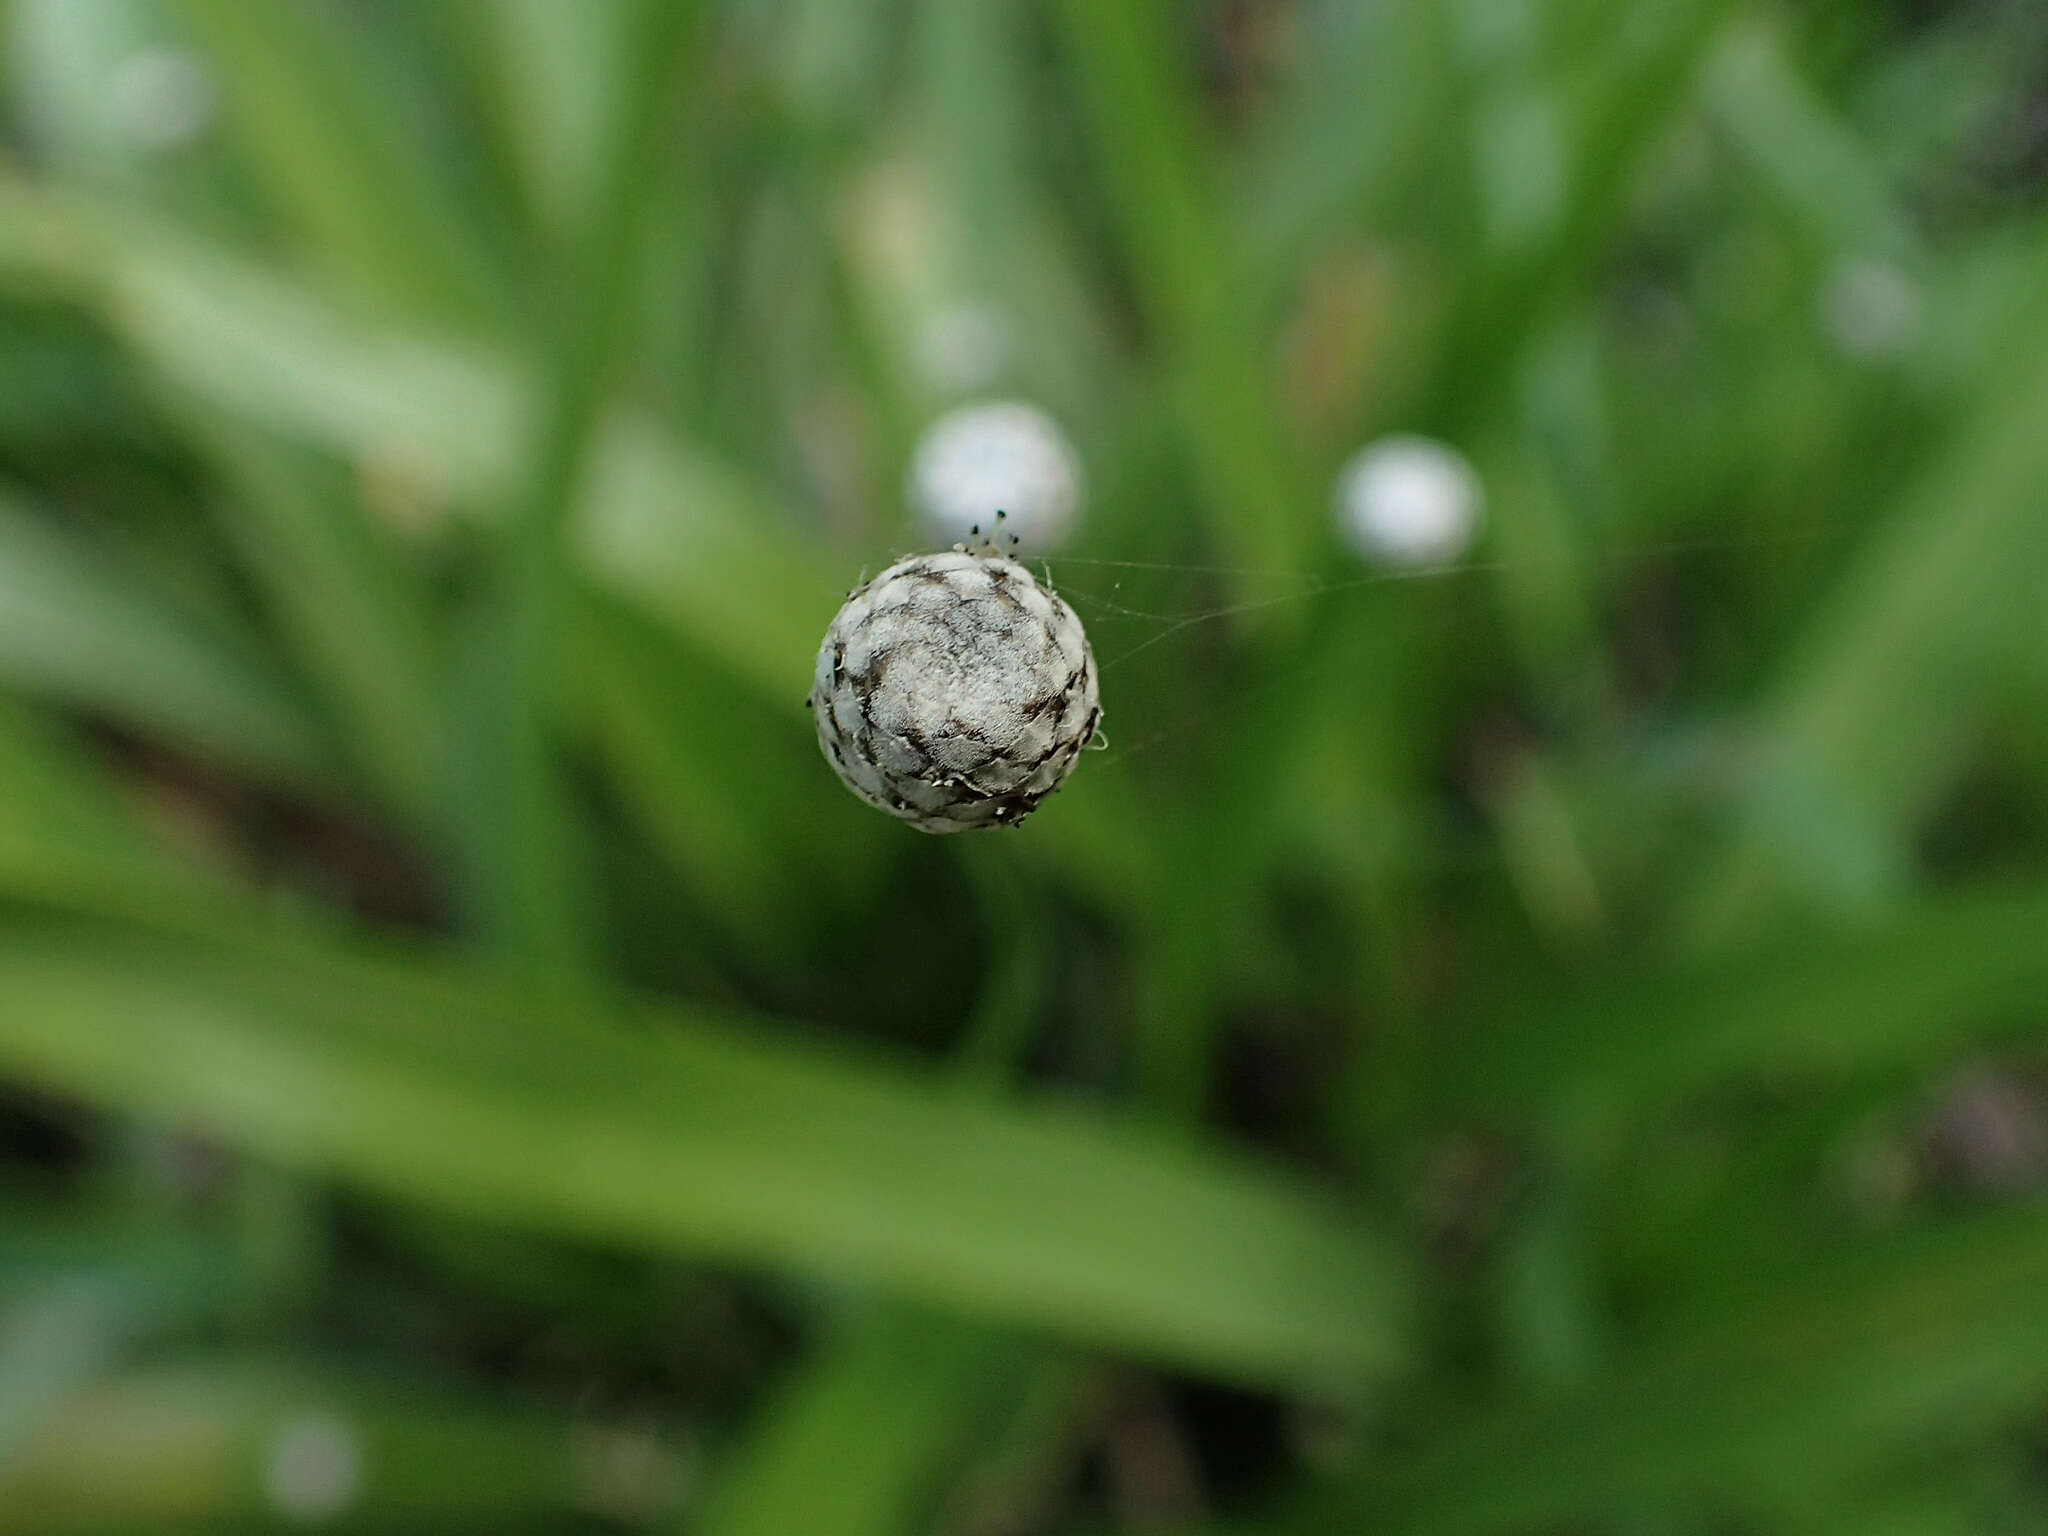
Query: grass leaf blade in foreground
1902,994
81,629
457,1088
1770,1402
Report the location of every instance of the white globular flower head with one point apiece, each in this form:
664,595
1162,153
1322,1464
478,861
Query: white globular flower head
955,692
1409,502
312,1466
1870,308
1004,454
163,98
962,347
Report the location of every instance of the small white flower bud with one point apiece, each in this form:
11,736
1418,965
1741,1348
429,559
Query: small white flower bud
1870,309
163,98
1002,455
312,1467
1409,502
963,347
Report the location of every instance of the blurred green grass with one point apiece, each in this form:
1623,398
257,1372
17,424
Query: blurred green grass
1556,1044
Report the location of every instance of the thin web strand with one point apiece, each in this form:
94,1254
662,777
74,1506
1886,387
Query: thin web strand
1313,587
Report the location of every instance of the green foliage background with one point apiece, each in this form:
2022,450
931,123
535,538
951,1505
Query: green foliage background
1550,1046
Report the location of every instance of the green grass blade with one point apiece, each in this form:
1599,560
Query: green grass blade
674,1130
1129,70
690,539
1824,176
1876,709
1365,129
57,804
548,74
1762,1402
535,901
667,724
59,61
1901,995
318,115
205,1445
857,1446
1606,115
359,622
80,629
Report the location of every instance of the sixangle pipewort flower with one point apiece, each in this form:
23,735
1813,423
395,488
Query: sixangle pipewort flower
954,691
996,453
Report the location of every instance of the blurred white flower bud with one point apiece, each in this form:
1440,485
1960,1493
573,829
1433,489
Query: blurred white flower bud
1870,308
963,347
1003,455
1408,502
312,1466
163,98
